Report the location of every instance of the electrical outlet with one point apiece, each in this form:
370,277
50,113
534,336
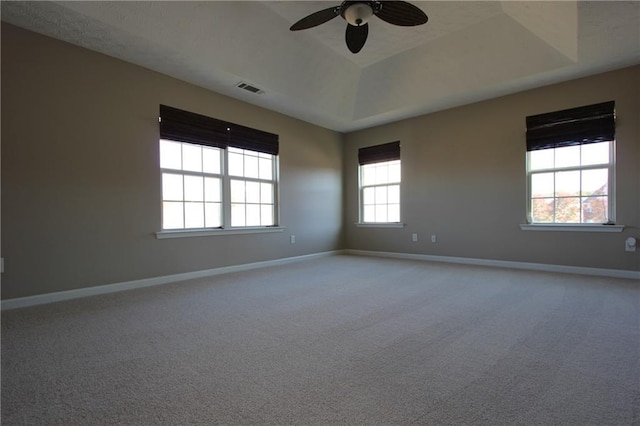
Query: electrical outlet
414,237
433,238
630,244
292,239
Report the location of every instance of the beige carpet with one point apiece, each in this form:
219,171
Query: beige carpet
338,340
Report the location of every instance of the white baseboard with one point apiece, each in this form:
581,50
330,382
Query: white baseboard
23,302
40,299
613,273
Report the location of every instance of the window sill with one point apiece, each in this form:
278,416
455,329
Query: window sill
218,231
380,225
578,227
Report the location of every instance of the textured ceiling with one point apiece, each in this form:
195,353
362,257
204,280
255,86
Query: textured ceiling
468,51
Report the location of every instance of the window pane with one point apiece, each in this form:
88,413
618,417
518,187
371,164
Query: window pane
568,156
369,214
394,172
382,173
237,191
212,189
172,215
237,215
170,155
368,175
194,215
211,160
381,213
251,166
594,209
368,196
266,193
381,195
212,216
567,183
191,157
253,214
193,188
266,215
171,187
394,194
568,210
542,185
394,213
541,159
236,164
595,182
542,210
252,192
595,153
266,168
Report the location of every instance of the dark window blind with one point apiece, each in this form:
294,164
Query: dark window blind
379,153
253,139
185,126
575,126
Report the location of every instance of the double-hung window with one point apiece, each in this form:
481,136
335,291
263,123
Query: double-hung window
570,165
216,174
191,185
252,187
379,173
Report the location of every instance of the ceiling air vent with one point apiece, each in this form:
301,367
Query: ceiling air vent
249,88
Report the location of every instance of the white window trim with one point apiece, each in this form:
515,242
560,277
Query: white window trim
361,188
380,224
571,227
226,182
187,233
577,227
225,178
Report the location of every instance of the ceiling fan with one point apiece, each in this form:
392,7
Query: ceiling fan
357,13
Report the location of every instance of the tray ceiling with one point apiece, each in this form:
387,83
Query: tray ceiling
467,52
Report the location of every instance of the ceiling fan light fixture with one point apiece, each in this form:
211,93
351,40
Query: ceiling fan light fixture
358,14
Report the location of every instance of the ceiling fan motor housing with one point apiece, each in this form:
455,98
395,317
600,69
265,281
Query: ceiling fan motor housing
357,13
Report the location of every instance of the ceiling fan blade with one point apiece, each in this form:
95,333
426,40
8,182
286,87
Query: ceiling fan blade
401,13
356,37
316,19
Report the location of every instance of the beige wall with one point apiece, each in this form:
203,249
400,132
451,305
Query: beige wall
81,183
463,173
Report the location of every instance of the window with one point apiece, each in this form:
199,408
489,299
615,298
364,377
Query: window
191,185
252,187
380,183
570,165
215,174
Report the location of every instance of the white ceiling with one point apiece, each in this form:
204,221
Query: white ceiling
468,51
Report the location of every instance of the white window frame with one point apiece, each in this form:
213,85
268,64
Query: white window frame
225,189
609,226
361,190
227,178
